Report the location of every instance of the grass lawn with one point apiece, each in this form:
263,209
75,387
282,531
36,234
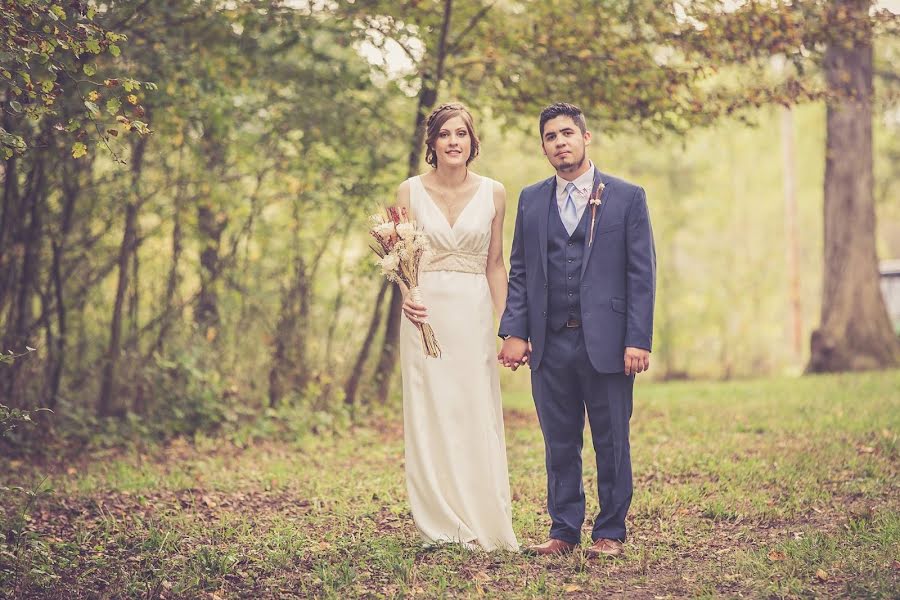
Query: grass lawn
768,488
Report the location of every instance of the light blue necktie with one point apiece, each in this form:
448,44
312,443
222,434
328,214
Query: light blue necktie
569,213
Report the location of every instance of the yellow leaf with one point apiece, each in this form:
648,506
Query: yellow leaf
78,150
94,96
132,98
822,574
776,555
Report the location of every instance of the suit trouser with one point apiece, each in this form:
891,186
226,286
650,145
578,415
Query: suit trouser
564,386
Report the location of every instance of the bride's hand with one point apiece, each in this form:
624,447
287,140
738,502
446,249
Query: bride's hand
417,313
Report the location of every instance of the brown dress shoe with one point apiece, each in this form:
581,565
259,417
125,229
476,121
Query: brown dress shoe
605,547
551,546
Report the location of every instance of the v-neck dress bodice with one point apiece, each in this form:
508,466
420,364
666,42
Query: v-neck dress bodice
456,467
462,246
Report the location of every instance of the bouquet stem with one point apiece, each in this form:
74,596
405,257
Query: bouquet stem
429,340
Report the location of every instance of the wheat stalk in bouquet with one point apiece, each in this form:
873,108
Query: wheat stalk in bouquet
400,248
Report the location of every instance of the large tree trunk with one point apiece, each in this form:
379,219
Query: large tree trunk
855,332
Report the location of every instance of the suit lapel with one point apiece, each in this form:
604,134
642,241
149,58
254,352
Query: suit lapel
544,220
604,200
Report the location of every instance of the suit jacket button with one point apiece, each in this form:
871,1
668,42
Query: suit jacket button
544,313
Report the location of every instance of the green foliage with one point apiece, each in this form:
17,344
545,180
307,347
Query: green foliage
10,418
51,50
185,396
25,555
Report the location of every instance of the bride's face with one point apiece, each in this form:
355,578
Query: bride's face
453,144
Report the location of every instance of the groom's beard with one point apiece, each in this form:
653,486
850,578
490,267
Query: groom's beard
573,165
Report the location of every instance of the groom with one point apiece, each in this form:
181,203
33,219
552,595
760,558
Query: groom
580,312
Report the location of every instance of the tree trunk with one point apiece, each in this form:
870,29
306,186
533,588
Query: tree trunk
71,191
26,241
855,332
290,369
108,383
10,217
173,280
352,386
108,378
211,223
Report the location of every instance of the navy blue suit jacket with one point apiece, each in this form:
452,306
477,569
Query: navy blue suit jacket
618,274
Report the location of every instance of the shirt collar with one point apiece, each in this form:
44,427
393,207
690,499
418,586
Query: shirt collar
584,183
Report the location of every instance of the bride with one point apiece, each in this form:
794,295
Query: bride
456,470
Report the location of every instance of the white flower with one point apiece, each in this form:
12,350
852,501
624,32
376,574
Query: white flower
385,229
420,242
406,231
389,263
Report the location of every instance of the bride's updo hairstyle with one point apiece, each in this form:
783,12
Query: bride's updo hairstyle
436,120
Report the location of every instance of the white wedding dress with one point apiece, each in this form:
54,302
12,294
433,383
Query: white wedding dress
456,470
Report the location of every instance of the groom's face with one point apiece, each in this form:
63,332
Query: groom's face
564,143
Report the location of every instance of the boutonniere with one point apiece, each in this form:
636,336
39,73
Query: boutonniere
595,201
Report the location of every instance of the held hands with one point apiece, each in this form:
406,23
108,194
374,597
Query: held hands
514,353
637,360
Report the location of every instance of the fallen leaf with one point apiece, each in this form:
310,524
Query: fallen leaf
822,574
776,555
209,502
572,588
866,449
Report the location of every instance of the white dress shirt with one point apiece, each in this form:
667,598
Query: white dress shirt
583,187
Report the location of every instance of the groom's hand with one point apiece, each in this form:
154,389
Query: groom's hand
637,360
514,352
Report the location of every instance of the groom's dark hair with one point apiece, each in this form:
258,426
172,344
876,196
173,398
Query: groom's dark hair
563,109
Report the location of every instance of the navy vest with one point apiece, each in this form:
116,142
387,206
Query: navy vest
564,257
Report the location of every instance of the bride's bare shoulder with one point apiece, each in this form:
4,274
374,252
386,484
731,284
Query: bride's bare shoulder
403,194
